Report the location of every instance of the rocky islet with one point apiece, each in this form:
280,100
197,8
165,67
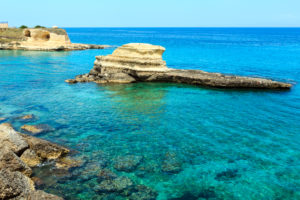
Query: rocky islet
137,62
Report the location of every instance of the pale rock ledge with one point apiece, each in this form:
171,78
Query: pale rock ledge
137,62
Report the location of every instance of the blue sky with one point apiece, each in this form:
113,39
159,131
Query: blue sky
152,13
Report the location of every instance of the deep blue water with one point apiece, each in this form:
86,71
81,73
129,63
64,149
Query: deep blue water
227,144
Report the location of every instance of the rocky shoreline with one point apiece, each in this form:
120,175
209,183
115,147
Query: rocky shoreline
143,63
41,39
19,153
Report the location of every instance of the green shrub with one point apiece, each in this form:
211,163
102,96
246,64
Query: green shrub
38,26
23,26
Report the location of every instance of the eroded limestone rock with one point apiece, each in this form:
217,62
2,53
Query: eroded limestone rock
143,63
9,160
10,138
30,158
14,184
44,149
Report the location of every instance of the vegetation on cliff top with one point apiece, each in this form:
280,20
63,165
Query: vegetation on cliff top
10,35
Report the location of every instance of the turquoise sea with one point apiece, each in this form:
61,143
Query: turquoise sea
182,142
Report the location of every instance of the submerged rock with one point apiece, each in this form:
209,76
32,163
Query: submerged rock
227,175
2,119
67,163
171,163
127,163
26,118
115,185
143,63
142,192
106,174
37,129
10,138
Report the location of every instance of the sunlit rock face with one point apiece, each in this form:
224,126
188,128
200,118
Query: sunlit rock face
133,56
137,62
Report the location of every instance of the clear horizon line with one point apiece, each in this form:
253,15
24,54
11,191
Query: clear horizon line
181,27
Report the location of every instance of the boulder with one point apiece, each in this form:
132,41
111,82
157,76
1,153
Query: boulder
44,149
9,160
10,138
30,158
14,184
136,62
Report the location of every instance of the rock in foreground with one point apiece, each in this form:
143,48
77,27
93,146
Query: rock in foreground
19,152
143,63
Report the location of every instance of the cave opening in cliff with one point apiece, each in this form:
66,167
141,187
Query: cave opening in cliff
45,36
27,33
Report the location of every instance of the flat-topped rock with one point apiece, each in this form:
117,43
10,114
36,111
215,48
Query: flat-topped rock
134,56
137,62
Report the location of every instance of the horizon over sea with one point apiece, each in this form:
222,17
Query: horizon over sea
183,142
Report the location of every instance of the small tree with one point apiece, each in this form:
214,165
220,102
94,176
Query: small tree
38,26
23,26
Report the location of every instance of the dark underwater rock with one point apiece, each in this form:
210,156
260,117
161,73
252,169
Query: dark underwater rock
171,163
227,175
127,163
142,192
116,185
106,174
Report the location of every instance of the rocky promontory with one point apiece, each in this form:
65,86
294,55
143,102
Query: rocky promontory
137,62
40,39
18,154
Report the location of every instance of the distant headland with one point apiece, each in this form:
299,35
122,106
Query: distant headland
39,38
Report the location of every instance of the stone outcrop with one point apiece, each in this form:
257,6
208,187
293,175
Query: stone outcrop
41,39
18,153
143,63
